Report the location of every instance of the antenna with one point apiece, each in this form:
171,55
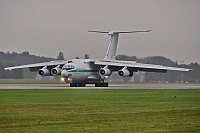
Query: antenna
114,35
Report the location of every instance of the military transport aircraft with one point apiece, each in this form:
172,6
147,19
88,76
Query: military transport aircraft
80,72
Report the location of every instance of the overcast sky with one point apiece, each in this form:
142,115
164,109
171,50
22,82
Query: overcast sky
46,27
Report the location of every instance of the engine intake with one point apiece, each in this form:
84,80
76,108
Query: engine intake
56,71
44,72
125,73
105,71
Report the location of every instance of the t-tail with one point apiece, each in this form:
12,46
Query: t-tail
114,35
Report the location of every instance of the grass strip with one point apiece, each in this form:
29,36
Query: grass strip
100,110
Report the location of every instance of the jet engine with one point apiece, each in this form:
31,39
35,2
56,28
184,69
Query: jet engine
56,71
44,72
125,73
105,71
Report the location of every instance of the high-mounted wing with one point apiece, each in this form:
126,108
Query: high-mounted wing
38,65
116,65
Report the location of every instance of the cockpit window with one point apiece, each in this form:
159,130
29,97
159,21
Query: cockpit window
68,67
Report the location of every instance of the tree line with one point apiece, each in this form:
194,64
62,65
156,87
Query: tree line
12,59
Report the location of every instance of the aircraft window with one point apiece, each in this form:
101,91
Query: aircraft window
68,67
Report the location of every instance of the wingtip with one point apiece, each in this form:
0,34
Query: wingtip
148,30
190,69
7,69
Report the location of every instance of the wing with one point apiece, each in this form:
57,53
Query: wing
37,66
116,65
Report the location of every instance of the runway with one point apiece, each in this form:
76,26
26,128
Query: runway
111,86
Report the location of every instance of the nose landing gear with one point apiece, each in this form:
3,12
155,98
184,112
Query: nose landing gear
74,84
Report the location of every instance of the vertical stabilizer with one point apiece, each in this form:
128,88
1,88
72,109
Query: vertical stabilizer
112,48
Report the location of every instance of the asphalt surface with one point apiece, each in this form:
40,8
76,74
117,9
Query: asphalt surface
111,86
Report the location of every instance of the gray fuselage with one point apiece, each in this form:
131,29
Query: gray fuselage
81,70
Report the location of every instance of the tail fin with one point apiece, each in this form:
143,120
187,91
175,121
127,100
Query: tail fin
114,35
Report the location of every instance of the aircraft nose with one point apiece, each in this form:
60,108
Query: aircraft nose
64,73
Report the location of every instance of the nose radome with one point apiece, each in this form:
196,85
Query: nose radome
64,73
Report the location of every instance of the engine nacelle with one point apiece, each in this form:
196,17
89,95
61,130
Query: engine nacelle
125,73
56,71
44,72
105,71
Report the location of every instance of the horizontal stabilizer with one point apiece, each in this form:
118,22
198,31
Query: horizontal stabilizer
98,31
117,31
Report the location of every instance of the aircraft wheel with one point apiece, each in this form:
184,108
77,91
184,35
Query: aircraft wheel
77,84
72,85
81,84
106,84
97,84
